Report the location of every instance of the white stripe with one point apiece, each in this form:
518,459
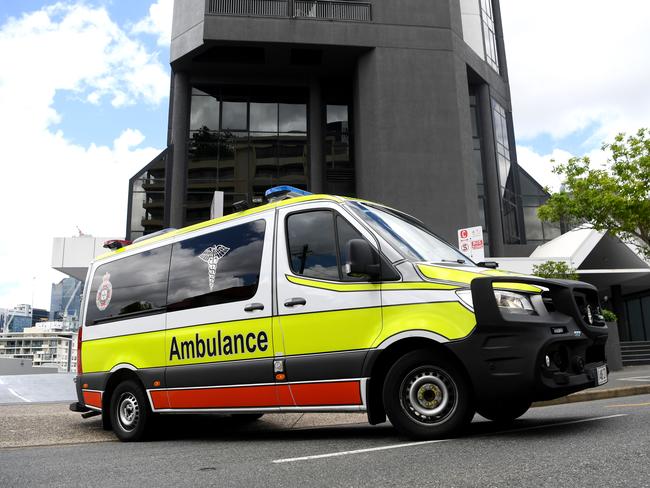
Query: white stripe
411,297
19,396
423,443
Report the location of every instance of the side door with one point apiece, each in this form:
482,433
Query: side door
327,319
219,337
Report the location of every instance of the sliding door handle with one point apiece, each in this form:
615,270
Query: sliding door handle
295,301
251,307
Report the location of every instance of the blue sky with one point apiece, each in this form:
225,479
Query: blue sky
90,81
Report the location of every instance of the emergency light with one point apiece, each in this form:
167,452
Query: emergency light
283,192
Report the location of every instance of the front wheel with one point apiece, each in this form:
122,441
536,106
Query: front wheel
427,396
130,413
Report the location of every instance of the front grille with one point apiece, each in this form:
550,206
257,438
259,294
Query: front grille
589,307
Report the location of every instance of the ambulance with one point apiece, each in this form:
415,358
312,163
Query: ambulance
320,303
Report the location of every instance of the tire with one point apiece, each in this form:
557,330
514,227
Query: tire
245,418
427,397
130,412
505,413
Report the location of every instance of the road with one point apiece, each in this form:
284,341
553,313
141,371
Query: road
37,388
600,443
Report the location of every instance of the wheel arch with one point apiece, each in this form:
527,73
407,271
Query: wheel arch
117,375
378,364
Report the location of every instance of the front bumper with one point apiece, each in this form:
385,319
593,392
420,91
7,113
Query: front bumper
506,354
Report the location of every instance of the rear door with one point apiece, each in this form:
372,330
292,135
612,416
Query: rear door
219,340
327,320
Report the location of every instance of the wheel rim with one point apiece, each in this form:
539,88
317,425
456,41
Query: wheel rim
429,395
128,411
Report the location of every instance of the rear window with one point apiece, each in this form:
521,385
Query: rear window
131,286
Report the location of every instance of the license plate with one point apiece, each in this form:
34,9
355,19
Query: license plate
601,375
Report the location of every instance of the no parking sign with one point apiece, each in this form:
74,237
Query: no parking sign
470,243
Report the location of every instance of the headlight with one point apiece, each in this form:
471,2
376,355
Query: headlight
513,302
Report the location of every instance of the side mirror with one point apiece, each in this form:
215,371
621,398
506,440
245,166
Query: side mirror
362,259
488,264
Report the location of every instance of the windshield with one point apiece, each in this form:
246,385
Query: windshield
407,235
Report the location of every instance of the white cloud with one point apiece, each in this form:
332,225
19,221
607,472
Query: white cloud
540,166
577,63
49,185
158,22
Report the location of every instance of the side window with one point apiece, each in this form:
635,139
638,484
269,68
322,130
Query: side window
318,242
346,233
129,286
220,267
312,244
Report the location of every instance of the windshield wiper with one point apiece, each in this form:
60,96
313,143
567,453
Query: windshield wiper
457,261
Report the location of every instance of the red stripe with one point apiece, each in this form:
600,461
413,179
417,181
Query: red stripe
305,394
160,399
336,393
93,398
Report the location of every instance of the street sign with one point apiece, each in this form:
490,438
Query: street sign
470,243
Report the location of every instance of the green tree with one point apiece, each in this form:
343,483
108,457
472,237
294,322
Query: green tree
615,198
555,269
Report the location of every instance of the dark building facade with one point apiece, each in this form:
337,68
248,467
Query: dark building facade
404,102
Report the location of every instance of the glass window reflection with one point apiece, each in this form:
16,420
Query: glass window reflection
219,267
234,116
204,113
293,117
264,117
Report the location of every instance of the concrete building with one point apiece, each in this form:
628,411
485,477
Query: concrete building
43,346
403,102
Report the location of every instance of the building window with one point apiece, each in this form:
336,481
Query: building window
339,166
243,145
477,159
508,187
489,34
147,199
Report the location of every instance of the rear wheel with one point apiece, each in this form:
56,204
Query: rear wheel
426,396
130,413
505,413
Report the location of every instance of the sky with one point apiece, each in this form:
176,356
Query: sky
84,89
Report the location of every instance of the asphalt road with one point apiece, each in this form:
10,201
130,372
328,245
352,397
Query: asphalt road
602,443
37,388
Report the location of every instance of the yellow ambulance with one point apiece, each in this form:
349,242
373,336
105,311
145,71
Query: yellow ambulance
319,303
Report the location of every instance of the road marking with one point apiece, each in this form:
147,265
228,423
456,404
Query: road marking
1,382
437,441
19,396
642,379
629,405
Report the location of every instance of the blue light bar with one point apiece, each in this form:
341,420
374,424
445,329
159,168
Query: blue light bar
283,192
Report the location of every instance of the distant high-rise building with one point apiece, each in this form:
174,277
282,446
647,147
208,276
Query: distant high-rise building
65,303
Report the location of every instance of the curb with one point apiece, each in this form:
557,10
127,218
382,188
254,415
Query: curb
587,396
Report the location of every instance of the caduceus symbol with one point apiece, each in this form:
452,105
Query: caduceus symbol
212,255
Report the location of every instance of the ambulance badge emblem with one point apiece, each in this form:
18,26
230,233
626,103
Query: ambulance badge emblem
104,293
212,255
